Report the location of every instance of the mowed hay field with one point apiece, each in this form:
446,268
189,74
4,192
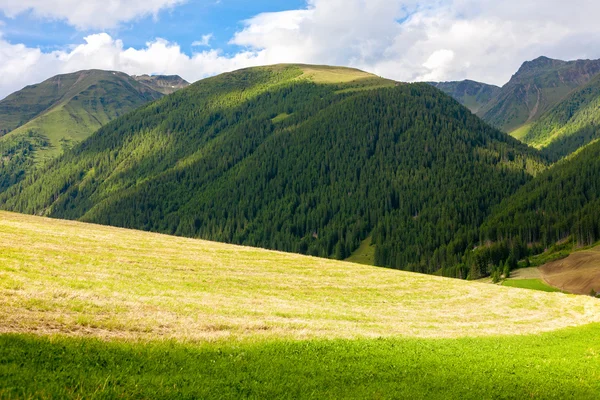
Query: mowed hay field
79,279
97,312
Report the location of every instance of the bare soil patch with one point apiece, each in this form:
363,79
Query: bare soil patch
579,273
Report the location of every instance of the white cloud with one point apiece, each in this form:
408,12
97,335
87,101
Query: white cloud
20,66
88,14
412,40
438,62
204,42
405,40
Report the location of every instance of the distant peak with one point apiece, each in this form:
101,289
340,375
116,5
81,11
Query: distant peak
539,63
542,60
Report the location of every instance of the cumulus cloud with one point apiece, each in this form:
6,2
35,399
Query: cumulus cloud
20,65
434,40
88,14
407,40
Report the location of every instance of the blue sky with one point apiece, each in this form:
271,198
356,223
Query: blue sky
183,24
406,40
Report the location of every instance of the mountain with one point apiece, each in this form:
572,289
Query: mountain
165,84
549,104
471,94
570,125
306,159
536,87
42,120
34,101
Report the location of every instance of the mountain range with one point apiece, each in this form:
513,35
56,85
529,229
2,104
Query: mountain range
325,160
298,158
549,104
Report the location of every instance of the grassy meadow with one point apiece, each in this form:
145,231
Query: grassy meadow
533,284
89,311
365,254
560,365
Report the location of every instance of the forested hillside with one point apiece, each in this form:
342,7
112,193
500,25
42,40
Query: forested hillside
570,125
296,158
561,204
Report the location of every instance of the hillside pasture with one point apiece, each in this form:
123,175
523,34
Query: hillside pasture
59,277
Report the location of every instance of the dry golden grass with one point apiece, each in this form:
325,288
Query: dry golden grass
325,74
80,279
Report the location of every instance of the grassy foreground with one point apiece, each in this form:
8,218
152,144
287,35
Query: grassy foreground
560,365
533,284
96,312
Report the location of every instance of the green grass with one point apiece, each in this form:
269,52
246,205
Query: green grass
534,284
559,365
331,75
365,254
281,117
59,124
90,311
521,132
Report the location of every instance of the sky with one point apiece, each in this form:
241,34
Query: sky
405,40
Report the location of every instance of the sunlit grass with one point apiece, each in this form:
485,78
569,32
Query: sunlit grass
365,254
533,284
79,279
557,365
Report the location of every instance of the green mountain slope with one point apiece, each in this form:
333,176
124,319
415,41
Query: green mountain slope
570,125
28,103
559,204
45,119
84,102
471,94
297,158
537,87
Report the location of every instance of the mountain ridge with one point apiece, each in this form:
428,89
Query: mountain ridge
62,87
536,87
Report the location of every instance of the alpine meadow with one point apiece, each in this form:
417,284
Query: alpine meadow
308,199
